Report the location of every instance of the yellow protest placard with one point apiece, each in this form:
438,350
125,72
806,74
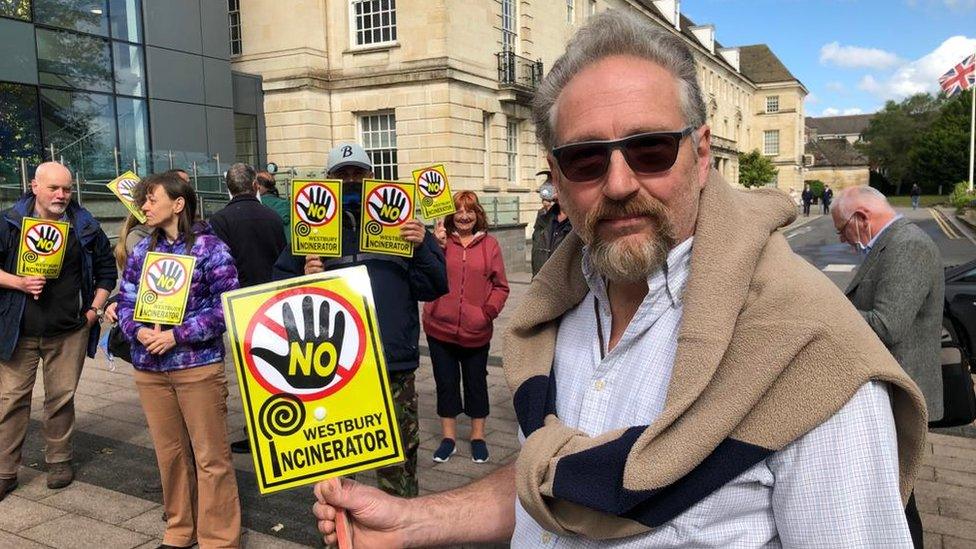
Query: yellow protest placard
313,379
316,217
164,287
42,245
122,187
434,192
387,205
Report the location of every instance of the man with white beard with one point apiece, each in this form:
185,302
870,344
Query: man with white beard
680,377
52,321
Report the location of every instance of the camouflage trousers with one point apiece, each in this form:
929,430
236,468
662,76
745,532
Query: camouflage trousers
401,479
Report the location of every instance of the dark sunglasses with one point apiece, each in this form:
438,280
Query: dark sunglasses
646,153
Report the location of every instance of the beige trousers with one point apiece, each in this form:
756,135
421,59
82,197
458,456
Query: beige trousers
187,415
62,358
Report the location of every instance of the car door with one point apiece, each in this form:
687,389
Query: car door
960,304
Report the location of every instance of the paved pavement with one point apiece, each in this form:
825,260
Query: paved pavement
116,501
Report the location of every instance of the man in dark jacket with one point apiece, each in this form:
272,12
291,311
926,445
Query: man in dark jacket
551,227
398,283
807,197
827,198
251,230
52,321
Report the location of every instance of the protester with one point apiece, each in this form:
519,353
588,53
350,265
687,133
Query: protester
770,420
398,283
916,194
51,321
179,372
267,192
459,324
807,197
826,198
899,290
550,228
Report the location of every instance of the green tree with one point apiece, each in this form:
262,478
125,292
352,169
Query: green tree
816,187
755,169
892,133
940,155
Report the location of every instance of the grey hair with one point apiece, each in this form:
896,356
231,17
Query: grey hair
615,32
851,197
240,179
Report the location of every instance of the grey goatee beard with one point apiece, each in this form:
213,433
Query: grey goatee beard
627,260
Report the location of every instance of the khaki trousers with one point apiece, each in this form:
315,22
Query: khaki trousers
62,358
187,415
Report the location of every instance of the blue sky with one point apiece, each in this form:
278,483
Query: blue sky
852,55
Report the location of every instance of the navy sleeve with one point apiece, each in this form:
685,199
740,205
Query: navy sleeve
428,271
288,265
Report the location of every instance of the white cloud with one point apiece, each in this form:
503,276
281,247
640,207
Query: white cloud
812,98
830,111
921,75
855,57
854,110
836,87
957,5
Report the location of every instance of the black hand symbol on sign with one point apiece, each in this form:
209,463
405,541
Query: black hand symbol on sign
391,208
169,275
432,182
312,360
318,205
46,235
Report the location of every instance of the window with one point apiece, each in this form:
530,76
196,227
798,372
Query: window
126,20
89,16
374,21
71,60
378,134
509,26
234,20
772,103
592,7
771,142
486,131
18,126
18,9
129,76
81,128
246,138
133,118
511,149
570,11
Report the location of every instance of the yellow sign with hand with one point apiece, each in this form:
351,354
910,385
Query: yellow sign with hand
316,217
122,187
313,379
434,191
164,287
387,205
42,246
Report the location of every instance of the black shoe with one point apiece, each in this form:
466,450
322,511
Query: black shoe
445,450
479,451
59,475
241,446
7,485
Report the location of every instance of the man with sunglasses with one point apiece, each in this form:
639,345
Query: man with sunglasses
899,289
680,377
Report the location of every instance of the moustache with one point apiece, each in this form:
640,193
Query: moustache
638,206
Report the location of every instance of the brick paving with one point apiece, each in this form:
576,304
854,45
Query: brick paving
124,511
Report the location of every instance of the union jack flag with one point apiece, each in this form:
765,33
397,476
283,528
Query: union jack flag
959,78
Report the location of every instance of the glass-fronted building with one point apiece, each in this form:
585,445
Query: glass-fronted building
112,85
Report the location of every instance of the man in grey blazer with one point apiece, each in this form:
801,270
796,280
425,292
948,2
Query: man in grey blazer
899,289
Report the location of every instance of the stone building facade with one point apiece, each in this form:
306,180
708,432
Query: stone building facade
449,81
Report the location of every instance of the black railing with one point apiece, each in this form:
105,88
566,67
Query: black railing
517,71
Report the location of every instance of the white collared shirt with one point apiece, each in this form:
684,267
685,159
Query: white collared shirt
837,486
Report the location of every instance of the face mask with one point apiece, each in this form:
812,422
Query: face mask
860,247
351,193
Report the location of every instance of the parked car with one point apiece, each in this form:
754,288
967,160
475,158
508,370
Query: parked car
959,313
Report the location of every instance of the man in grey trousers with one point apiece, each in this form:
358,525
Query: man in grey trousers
899,289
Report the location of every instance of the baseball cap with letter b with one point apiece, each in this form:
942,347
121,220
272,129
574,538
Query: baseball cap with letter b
348,154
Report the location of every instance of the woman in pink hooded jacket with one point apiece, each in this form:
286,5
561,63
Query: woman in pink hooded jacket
459,324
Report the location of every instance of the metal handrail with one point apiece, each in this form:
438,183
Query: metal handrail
518,71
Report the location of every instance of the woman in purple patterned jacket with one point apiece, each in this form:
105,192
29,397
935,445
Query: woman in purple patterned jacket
179,372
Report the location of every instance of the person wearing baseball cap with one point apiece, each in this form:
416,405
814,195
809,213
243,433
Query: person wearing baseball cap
551,224
398,284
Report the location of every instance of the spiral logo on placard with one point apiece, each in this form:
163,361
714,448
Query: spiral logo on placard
373,228
149,298
427,201
29,256
281,415
303,229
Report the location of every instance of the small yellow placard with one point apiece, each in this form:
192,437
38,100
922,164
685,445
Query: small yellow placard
313,379
164,287
42,246
387,205
316,217
122,187
434,192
